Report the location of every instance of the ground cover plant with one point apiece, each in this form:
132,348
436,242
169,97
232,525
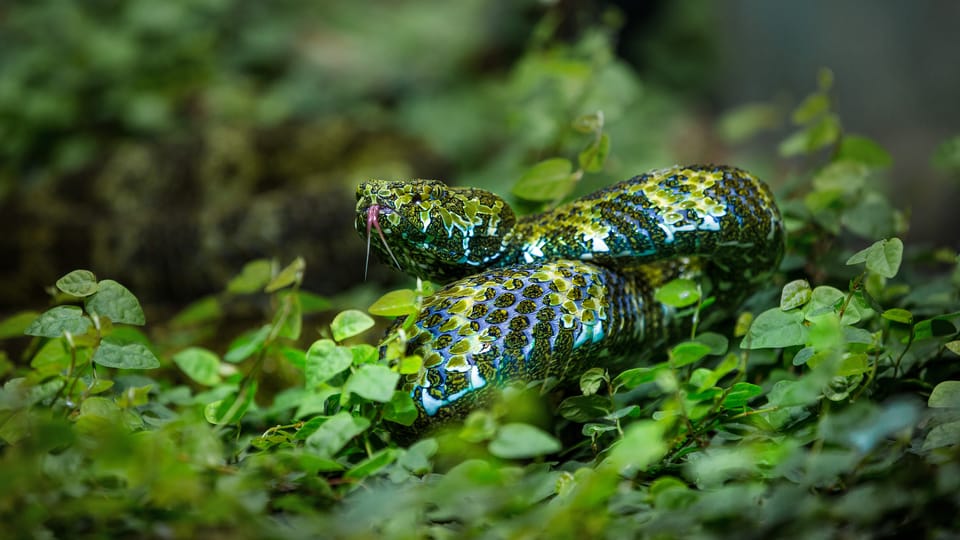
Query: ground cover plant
827,406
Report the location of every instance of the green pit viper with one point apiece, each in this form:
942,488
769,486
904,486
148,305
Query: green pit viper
555,293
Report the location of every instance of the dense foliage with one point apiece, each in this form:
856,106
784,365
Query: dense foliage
829,406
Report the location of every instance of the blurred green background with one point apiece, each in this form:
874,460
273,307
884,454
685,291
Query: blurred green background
164,144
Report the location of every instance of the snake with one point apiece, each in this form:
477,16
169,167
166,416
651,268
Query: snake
547,296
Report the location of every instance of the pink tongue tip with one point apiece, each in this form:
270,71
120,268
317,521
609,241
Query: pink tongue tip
373,216
373,222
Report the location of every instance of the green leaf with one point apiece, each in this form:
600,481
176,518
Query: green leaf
825,299
794,393
885,261
632,378
718,343
591,380
364,353
688,352
401,409
883,257
583,408
589,123
840,177
396,304
803,356
594,156
745,121
823,133
134,396
350,323
410,365
671,493
898,315
947,155
810,108
678,293
954,347
774,329
794,145
79,283
863,150
740,393
946,434
336,432
945,394
521,441
253,278
288,319
204,310
825,79
933,328
546,181
373,382
114,301
124,356
55,321
853,364
52,359
16,325
795,294
872,216
706,378
417,458
825,331
292,274
201,365
643,444
218,411
373,463
313,303
325,360
480,425
247,344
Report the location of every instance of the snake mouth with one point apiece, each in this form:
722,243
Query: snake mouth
374,211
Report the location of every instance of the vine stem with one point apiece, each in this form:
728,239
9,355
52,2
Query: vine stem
696,312
73,364
755,411
870,376
854,287
258,363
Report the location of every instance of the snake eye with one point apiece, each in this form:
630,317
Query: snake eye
415,198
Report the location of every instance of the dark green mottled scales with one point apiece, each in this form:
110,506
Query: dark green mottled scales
555,293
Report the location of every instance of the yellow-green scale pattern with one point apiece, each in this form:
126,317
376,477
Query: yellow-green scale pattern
552,294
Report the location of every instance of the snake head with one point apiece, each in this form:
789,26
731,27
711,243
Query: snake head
431,230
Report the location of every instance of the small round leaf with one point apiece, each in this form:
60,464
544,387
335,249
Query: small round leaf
78,283
199,364
350,323
945,394
519,441
125,356
395,304
548,180
324,361
373,382
114,301
678,293
55,321
795,294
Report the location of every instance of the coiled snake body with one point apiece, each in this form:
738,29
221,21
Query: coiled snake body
552,294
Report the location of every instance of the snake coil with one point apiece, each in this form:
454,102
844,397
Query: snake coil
555,293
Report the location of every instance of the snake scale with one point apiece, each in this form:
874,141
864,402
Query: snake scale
555,293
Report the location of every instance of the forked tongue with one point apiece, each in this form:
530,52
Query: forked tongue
373,222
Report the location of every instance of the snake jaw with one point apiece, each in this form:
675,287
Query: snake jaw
373,222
